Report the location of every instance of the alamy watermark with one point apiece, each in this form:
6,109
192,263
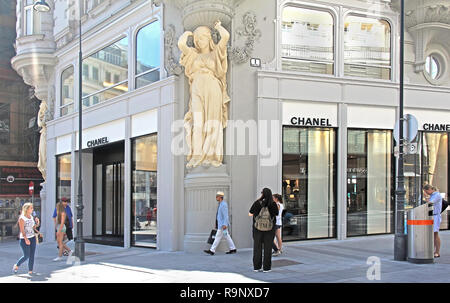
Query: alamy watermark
260,138
374,270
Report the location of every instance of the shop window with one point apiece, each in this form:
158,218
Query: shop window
4,123
112,59
31,19
148,55
307,40
367,47
63,176
309,183
435,165
369,182
428,166
67,91
144,191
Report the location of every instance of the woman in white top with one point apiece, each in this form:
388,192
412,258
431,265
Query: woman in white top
278,243
27,237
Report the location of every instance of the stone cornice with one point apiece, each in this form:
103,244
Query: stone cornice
424,11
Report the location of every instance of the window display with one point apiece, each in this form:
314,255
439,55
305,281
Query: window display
369,182
309,183
63,176
144,191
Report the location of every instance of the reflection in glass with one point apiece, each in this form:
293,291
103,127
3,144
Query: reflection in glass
367,47
67,91
435,165
307,40
105,73
144,191
369,182
63,176
148,54
5,132
309,182
432,67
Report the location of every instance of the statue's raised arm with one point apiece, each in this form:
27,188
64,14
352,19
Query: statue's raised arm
224,34
182,42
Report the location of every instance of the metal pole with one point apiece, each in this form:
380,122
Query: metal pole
79,242
400,240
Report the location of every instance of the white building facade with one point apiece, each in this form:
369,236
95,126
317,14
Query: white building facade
313,122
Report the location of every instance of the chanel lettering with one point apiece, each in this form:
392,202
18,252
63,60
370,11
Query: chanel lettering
97,142
310,121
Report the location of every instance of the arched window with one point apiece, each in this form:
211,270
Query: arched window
98,85
148,54
367,47
307,40
67,90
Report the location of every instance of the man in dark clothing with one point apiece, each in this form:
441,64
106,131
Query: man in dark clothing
263,238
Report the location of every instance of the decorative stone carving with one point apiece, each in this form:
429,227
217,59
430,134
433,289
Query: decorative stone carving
41,121
240,55
198,12
171,64
206,68
425,19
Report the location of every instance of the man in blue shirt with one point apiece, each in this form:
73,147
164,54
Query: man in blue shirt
222,223
69,217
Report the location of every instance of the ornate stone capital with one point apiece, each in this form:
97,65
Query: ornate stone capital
200,12
36,70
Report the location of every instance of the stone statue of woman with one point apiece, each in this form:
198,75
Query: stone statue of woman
42,162
206,68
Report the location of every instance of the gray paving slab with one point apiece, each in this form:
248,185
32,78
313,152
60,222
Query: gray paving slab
325,261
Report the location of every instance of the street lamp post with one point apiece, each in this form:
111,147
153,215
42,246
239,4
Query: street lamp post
400,239
42,6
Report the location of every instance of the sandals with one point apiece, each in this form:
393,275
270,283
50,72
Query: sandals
437,255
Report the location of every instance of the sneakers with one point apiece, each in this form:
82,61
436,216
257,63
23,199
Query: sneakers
57,259
232,251
269,270
258,270
15,269
276,253
209,252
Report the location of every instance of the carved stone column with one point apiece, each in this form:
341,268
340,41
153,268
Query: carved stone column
201,185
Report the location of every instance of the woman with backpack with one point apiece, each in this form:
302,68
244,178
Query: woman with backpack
264,212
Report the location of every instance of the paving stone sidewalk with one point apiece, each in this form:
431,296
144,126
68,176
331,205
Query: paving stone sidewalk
328,261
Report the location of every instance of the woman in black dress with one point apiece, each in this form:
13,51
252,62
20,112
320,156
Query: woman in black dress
263,238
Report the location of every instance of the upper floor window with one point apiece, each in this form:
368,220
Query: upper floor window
111,60
307,40
31,25
67,90
432,67
148,54
367,47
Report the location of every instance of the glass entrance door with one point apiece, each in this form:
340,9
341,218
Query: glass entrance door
109,199
113,199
